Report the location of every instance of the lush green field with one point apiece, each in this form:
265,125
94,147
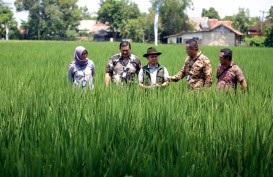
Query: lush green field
47,128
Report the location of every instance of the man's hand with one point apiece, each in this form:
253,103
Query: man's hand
173,79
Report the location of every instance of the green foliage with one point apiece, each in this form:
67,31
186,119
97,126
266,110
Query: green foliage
141,29
211,13
229,18
256,41
269,35
134,30
85,15
172,15
117,13
270,13
7,20
241,21
47,128
50,19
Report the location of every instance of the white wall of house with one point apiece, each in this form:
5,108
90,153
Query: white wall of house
220,36
219,39
184,37
172,40
188,36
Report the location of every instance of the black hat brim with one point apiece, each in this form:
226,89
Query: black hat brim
155,53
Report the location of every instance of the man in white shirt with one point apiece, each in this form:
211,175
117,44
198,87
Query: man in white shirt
153,74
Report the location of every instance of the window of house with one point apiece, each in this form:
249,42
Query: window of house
196,38
179,40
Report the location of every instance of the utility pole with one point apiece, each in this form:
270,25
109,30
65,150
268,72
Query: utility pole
263,12
38,31
7,31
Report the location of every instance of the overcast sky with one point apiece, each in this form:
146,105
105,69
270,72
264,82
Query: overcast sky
224,8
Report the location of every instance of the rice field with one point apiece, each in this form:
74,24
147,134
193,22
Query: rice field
48,128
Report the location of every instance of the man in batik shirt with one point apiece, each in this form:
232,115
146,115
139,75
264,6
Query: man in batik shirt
228,73
122,67
197,68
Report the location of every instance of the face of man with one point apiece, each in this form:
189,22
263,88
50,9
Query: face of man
191,52
125,51
152,60
222,59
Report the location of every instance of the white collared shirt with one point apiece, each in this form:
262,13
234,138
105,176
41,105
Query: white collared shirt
153,73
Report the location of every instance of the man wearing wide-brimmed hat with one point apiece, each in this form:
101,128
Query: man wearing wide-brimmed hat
153,74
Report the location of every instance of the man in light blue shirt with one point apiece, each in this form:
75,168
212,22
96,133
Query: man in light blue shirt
153,74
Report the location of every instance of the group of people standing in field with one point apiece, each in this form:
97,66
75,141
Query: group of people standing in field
125,67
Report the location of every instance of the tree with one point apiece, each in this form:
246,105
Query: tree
269,30
270,13
134,30
211,13
117,13
269,36
50,19
172,15
7,22
141,29
242,20
85,15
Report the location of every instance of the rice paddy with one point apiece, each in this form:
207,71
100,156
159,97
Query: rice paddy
48,128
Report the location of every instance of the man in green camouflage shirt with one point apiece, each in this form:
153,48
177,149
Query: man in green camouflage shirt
197,68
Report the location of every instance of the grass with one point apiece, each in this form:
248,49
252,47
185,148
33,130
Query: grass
47,128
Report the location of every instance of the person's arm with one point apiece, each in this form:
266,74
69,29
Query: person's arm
208,74
241,78
108,72
140,79
243,84
107,79
166,76
93,70
70,73
180,75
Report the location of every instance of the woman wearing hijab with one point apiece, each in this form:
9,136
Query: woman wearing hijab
81,71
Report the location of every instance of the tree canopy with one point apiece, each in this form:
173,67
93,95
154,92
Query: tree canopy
211,13
269,30
117,13
7,22
50,19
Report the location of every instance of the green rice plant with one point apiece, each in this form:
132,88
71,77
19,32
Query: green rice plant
49,128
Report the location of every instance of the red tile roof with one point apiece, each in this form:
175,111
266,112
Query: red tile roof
214,23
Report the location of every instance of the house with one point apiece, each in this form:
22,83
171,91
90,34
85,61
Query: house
209,32
258,30
100,30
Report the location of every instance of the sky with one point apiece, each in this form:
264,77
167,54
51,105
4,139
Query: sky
224,8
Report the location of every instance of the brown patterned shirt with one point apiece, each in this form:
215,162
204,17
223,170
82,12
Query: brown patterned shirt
117,67
198,71
229,76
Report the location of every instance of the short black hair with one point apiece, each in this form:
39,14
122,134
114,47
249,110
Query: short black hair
124,43
192,43
227,53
